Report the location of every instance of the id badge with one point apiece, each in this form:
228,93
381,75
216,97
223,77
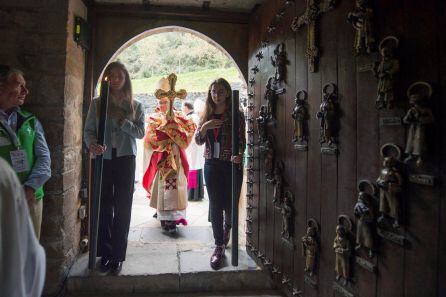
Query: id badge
216,150
19,161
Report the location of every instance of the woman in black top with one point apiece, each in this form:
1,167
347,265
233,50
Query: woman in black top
216,132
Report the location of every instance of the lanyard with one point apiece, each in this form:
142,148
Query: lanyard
11,134
217,130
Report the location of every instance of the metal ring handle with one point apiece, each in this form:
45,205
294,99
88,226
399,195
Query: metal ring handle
389,39
362,184
325,89
312,223
346,219
419,83
392,146
301,95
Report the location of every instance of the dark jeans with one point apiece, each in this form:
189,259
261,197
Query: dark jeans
116,205
218,178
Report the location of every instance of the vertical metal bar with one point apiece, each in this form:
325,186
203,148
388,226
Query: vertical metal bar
97,179
235,176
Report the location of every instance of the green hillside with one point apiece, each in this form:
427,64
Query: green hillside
198,81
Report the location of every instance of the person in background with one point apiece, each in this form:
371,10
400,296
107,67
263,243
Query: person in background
187,108
22,258
125,123
215,131
22,141
194,152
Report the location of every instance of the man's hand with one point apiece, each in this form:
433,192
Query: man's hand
29,194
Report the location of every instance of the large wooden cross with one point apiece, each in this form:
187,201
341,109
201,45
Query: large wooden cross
171,94
314,10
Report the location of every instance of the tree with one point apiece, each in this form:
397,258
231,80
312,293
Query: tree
164,53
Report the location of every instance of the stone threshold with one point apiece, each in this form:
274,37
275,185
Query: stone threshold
249,293
170,268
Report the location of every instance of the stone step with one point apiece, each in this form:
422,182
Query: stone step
169,268
262,293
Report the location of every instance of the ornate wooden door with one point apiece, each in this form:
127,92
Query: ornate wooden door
313,180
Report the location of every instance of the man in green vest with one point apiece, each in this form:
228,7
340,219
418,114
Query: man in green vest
22,141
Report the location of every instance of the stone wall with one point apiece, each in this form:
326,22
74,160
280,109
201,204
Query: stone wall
37,38
114,31
150,102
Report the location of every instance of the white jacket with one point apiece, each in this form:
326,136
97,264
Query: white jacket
22,258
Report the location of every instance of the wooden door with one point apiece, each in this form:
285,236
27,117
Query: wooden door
324,186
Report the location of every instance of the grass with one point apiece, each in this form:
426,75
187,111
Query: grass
198,81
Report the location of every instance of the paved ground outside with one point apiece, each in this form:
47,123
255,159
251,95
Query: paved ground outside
146,230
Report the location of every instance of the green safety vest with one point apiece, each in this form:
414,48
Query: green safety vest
23,139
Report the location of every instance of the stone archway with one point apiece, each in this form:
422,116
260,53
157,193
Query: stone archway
112,32
98,72
172,28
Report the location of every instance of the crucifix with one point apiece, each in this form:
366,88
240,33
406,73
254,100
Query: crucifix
171,94
315,8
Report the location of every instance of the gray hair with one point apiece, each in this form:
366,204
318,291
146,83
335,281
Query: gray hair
6,72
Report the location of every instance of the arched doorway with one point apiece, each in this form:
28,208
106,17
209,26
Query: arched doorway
167,29
145,230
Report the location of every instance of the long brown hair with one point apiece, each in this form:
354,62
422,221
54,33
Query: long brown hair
210,105
127,88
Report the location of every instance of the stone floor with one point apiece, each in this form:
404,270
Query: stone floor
196,213
178,266
172,264
144,228
251,293
142,213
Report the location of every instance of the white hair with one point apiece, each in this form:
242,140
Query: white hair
9,71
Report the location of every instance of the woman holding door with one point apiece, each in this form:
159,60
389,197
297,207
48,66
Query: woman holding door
215,131
125,123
